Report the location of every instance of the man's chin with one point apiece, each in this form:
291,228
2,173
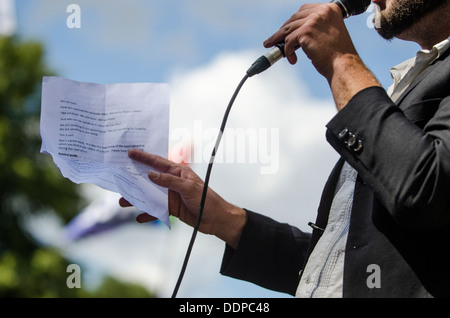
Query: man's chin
385,34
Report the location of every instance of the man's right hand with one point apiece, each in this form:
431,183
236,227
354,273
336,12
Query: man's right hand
219,217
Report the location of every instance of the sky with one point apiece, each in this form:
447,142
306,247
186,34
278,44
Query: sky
274,157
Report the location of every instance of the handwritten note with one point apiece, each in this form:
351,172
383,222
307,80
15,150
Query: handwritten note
88,129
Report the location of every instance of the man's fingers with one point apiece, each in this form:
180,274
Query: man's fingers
144,218
154,161
171,182
124,203
141,218
294,22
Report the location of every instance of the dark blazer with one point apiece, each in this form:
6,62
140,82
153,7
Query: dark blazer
401,210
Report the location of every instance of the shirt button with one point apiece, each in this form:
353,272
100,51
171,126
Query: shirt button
308,279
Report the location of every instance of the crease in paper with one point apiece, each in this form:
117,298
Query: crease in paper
88,129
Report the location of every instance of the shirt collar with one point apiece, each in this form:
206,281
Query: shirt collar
442,46
422,57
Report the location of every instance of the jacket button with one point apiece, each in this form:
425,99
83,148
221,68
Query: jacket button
358,146
343,133
351,140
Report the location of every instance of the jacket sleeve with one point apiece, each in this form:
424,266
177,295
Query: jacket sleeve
270,254
402,153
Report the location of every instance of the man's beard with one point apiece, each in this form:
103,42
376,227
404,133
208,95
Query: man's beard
401,15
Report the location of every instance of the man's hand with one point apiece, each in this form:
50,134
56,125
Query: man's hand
320,31
219,217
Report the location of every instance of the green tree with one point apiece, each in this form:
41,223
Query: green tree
30,183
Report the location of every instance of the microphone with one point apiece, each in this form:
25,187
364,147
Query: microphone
348,8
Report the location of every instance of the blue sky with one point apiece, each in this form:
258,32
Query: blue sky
202,49
132,41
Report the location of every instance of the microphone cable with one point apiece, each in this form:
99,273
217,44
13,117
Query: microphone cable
206,182
260,65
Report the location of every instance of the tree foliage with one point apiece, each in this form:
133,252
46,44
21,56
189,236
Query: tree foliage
30,184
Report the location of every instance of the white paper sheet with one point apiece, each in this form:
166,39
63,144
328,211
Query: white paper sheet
88,129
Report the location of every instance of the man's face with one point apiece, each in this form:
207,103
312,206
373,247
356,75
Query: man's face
396,16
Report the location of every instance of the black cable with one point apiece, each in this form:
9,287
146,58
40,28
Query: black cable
205,186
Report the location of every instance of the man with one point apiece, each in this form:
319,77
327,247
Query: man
381,228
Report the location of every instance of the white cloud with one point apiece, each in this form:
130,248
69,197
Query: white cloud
276,99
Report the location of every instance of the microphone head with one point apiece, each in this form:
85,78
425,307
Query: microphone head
352,7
